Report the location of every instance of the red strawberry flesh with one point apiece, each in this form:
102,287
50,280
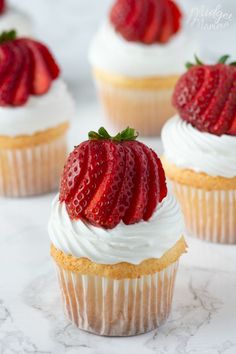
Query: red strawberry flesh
26,68
205,96
146,21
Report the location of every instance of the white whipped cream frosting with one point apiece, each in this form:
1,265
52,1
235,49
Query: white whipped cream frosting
14,19
110,52
124,243
187,147
39,113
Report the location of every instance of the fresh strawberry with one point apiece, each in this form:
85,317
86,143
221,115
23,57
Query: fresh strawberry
140,196
176,16
105,198
153,182
121,12
41,75
6,60
23,85
154,22
108,180
26,68
232,130
49,60
126,190
162,178
146,21
2,6
167,28
74,170
205,96
10,80
90,178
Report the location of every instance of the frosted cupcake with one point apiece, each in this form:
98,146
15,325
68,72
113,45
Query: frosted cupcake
116,236
137,57
13,18
200,150
35,108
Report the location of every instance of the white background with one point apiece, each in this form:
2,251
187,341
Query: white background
203,318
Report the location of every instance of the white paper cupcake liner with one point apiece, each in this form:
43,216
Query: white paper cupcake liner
147,110
209,215
117,307
32,170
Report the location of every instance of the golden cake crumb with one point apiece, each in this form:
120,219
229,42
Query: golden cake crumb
120,270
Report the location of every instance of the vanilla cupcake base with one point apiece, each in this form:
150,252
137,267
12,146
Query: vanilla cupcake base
141,103
119,299
208,203
31,165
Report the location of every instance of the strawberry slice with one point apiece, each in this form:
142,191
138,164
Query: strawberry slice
140,197
2,6
41,76
228,113
203,97
177,16
99,210
23,85
126,190
6,60
154,21
120,13
136,21
187,88
49,60
74,170
167,27
153,182
162,178
8,84
90,181
218,100
232,129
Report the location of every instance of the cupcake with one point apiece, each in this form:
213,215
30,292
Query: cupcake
116,236
137,57
13,18
200,150
35,108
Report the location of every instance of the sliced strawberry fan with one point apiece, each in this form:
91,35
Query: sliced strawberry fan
26,68
146,21
107,180
205,96
2,6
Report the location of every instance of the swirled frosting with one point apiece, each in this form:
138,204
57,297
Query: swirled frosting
112,53
39,113
124,243
187,147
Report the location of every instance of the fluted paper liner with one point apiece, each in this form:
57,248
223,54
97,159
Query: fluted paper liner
143,104
209,214
113,307
33,169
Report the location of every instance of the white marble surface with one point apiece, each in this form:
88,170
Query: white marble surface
203,319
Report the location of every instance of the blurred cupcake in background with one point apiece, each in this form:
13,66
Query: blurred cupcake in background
11,17
35,108
200,150
137,57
